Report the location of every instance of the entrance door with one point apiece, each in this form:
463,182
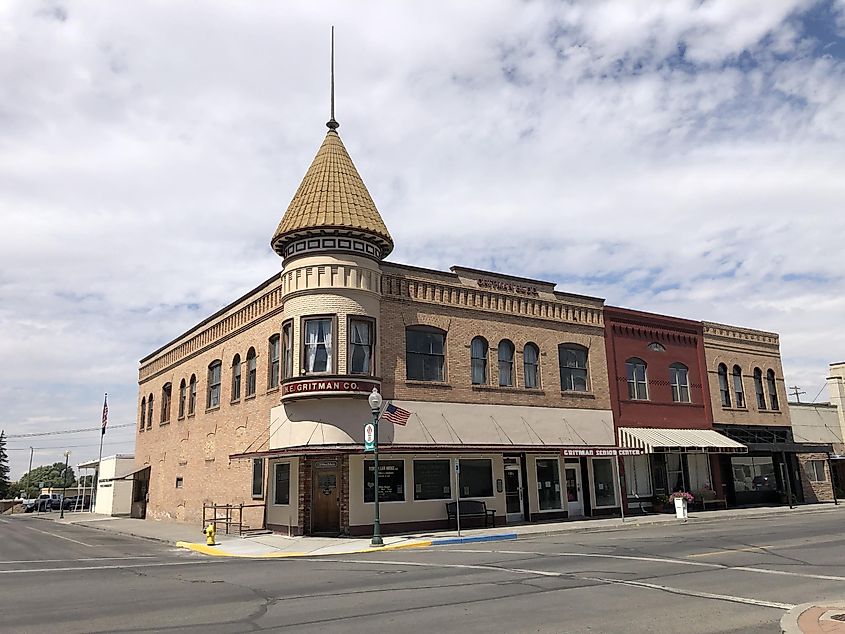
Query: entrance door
513,489
325,498
574,499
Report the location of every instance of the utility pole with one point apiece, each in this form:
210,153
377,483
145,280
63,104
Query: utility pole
797,392
31,451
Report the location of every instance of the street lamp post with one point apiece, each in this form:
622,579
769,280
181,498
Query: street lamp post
64,487
375,406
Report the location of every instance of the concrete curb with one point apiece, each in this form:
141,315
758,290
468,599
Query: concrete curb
789,621
213,551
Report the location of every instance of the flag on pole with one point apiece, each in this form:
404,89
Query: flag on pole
105,414
396,415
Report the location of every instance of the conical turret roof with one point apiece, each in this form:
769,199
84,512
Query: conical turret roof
332,198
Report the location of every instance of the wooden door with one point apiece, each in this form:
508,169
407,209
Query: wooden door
325,498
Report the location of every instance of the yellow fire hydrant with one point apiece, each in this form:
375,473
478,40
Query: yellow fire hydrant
209,534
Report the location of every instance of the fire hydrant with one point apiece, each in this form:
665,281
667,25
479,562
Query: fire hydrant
209,534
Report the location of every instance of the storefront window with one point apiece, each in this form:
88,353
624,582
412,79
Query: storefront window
432,480
391,481
257,477
548,484
603,482
675,472
476,479
637,476
755,473
698,466
281,493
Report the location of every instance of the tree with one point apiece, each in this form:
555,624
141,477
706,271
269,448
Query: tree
4,467
50,475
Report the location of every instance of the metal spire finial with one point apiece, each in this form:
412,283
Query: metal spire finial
332,124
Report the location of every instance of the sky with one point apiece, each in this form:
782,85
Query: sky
683,157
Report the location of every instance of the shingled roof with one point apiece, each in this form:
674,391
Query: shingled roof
332,196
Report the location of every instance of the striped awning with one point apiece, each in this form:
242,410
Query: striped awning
653,440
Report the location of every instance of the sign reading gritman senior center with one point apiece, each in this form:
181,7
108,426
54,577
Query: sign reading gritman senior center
595,452
328,386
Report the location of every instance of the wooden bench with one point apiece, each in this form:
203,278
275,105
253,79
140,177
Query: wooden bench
708,497
472,510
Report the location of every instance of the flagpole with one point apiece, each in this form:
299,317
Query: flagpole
96,478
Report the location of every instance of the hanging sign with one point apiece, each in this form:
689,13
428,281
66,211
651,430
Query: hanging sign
369,437
595,452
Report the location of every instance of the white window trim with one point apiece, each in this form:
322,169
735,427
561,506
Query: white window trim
290,478
813,474
493,475
561,481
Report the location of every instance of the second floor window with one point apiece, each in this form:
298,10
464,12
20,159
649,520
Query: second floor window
573,368
213,395
724,389
478,359
236,378
679,380
318,346
637,379
149,411
250,372
183,397
360,346
505,363
166,393
739,392
192,396
531,366
273,361
773,390
758,388
287,350
425,353
143,412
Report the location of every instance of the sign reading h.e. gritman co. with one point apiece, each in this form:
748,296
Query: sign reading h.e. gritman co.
327,386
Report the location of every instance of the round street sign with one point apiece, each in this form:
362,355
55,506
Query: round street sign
369,433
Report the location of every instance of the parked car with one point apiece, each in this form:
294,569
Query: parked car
28,505
48,502
77,503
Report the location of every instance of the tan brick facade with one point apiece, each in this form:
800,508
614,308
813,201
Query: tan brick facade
815,490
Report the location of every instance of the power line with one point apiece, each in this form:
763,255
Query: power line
67,431
64,446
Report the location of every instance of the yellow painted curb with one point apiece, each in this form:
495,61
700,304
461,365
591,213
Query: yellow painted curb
216,552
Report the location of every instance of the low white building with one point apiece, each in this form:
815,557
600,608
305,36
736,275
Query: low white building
114,488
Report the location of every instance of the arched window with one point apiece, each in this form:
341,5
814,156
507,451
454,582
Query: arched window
212,398
758,388
250,372
192,396
143,412
505,363
637,379
236,378
724,389
166,393
679,380
425,353
531,366
478,354
150,411
739,392
573,367
773,390
183,397
273,346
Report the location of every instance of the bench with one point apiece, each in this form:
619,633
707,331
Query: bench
473,510
708,497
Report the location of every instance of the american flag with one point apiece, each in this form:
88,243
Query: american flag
105,414
396,415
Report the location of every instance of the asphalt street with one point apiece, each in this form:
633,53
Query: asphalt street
726,576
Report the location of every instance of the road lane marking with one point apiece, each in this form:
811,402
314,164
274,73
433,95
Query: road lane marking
75,541
114,567
57,561
750,549
571,575
665,560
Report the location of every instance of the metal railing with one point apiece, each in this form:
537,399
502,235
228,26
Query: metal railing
230,517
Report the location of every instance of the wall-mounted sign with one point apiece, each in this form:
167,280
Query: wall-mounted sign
593,452
329,386
508,287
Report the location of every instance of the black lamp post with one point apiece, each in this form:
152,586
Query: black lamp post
375,405
64,487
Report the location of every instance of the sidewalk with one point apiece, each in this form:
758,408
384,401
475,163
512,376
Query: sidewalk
276,546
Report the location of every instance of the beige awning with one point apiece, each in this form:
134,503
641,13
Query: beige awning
338,422
653,440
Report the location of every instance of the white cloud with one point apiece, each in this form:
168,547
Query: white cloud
143,145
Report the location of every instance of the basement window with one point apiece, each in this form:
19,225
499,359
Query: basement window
179,482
